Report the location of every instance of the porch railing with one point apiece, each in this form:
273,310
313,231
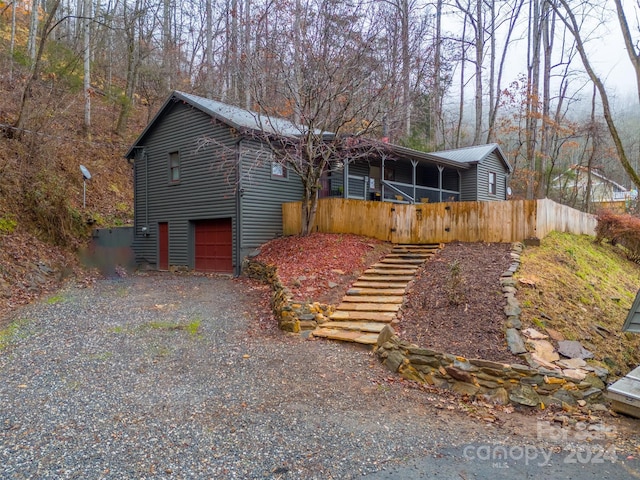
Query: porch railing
417,193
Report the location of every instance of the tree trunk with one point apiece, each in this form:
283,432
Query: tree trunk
87,68
34,74
533,96
479,30
132,67
13,39
629,42
32,41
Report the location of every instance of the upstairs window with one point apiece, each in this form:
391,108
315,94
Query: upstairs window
492,183
278,170
174,167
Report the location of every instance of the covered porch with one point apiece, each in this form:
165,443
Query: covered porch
401,176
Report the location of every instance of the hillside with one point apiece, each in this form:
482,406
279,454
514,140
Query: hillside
573,287
42,218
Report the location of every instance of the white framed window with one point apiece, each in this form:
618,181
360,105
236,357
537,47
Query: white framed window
492,183
174,167
278,170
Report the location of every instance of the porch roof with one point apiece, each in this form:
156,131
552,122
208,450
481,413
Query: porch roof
401,153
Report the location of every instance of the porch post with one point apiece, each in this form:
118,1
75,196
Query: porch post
415,164
382,178
440,170
345,180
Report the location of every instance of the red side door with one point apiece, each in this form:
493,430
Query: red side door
163,246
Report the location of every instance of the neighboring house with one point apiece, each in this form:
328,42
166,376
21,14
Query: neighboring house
205,205
571,186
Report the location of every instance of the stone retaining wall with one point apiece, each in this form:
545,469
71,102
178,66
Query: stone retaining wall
492,381
292,316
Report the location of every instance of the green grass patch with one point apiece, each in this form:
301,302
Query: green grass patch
192,327
103,356
55,299
14,331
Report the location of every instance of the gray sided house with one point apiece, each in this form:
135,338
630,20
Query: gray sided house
205,205
207,190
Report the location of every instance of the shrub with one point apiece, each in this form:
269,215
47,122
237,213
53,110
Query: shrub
623,230
7,224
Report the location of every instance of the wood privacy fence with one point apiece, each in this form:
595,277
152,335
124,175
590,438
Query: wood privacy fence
507,221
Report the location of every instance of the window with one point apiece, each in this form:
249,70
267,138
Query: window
278,170
492,183
174,167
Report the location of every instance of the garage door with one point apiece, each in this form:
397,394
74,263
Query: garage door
213,246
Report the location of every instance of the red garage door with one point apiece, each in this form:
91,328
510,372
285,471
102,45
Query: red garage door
214,246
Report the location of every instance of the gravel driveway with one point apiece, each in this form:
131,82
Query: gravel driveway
165,376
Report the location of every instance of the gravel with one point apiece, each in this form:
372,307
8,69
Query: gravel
184,376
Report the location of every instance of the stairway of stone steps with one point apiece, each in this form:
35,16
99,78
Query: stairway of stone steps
375,298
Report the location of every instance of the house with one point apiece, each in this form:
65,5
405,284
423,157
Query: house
571,187
207,191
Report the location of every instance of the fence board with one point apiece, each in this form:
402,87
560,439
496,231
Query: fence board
507,221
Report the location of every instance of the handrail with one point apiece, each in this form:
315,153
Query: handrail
397,190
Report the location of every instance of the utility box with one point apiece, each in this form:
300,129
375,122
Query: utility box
625,393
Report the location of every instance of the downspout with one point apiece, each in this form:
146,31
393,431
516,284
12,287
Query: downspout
440,170
146,190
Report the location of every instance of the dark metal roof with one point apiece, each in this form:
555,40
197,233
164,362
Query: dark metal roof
242,119
411,154
235,117
475,154
632,323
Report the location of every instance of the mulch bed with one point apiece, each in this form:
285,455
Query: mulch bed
455,305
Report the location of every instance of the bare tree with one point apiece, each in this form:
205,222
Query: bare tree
567,15
328,93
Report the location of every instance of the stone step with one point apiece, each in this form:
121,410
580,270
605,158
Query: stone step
409,256
390,272
379,284
346,336
385,278
370,327
375,291
434,246
346,315
369,307
401,261
372,299
394,266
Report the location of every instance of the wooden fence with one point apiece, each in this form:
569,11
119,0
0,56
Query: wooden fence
508,221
